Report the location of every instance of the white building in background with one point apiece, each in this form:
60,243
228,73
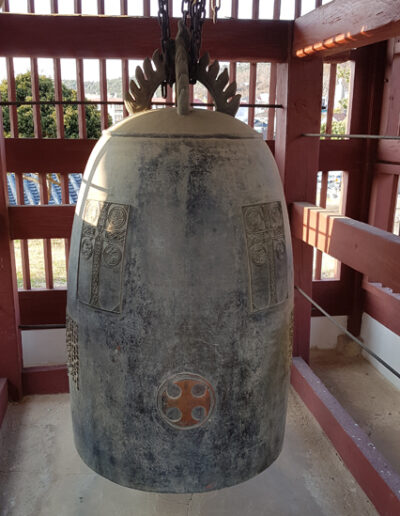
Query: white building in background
114,110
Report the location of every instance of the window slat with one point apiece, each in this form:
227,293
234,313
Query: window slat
26,277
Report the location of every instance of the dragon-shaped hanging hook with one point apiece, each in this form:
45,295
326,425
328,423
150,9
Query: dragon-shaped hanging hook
148,79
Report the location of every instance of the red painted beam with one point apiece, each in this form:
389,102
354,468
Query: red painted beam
47,155
332,295
339,154
119,37
345,24
389,150
45,380
42,306
3,399
41,221
366,249
382,306
387,168
375,475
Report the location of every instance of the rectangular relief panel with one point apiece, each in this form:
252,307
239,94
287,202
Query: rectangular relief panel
266,250
101,254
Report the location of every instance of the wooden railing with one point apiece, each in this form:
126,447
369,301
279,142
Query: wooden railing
252,40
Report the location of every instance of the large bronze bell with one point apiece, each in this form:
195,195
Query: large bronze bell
180,300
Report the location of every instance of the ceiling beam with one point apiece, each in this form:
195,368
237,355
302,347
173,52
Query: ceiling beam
345,24
128,37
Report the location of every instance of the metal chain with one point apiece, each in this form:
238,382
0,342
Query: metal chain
167,46
163,20
196,10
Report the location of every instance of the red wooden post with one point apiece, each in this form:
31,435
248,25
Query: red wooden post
37,126
272,81
367,88
58,85
12,97
124,62
18,177
300,91
235,8
10,335
383,200
103,79
322,202
48,262
26,277
252,93
386,176
103,94
60,126
271,100
81,96
146,8
169,89
297,8
125,82
232,64
256,9
253,73
58,97
331,97
80,87
64,179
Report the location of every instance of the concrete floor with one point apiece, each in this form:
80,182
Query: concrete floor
41,474
371,400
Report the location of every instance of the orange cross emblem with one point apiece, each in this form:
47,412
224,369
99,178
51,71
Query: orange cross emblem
186,400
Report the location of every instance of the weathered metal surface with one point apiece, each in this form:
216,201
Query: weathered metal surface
183,367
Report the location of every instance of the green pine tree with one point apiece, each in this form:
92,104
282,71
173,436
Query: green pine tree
48,112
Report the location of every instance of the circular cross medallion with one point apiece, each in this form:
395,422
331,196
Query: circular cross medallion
112,255
258,254
254,219
186,400
117,217
86,248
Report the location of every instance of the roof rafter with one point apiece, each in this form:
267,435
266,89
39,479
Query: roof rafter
345,24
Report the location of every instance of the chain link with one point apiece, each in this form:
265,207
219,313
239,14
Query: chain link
196,10
167,46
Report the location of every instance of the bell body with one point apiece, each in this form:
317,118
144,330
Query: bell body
179,304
